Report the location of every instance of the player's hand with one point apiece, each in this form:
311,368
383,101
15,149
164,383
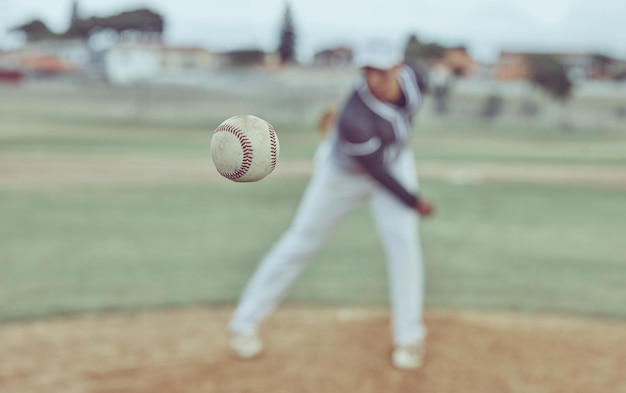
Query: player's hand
424,208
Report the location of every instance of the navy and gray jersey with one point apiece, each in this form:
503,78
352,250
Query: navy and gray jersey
370,133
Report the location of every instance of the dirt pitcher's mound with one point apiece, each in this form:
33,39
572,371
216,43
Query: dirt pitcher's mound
311,350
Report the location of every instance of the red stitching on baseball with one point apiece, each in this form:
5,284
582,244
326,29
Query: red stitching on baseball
273,145
246,146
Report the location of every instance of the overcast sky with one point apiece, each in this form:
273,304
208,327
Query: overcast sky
484,26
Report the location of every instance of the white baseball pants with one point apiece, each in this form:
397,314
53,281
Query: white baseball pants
331,194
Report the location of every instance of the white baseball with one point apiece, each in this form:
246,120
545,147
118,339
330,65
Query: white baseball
245,148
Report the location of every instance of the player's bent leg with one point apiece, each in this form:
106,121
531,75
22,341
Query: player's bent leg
275,274
327,199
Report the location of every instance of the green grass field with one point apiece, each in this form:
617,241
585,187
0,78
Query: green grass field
71,248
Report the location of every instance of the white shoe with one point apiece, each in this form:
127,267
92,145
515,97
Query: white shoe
246,346
408,357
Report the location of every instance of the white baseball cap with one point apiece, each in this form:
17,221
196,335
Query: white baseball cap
378,54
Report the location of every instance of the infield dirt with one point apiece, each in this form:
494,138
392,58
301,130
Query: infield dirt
311,349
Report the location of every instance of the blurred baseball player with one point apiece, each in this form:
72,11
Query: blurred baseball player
367,159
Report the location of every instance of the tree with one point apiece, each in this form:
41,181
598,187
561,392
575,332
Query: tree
142,21
428,52
428,55
80,28
433,51
413,49
287,46
35,30
550,74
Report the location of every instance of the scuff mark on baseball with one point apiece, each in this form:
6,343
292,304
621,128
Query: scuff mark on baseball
245,148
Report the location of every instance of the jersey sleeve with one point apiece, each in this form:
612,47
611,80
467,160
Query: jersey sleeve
366,148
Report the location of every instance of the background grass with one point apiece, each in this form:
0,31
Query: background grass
89,248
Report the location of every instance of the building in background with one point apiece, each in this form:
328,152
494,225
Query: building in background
339,57
512,66
54,58
175,58
144,60
130,63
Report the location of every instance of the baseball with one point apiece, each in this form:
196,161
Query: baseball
244,148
